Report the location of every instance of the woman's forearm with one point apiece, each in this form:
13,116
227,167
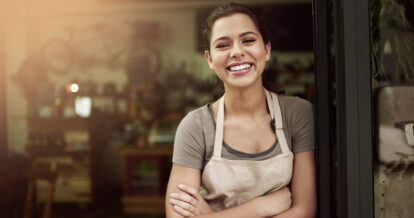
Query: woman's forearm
297,212
264,206
250,209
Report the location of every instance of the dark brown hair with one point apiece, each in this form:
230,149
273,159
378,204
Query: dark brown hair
230,9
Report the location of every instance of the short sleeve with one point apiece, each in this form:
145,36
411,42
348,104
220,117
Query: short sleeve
189,142
303,127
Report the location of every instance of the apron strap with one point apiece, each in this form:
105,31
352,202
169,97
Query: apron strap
279,125
218,139
275,113
270,104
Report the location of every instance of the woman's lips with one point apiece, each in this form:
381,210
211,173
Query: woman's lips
239,69
240,72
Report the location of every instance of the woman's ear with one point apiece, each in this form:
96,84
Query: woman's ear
268,48
208,58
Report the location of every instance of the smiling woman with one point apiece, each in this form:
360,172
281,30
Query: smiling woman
238,53
252,150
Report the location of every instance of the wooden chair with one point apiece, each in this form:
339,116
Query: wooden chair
41,171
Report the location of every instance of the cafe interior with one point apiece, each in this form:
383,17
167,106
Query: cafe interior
94,90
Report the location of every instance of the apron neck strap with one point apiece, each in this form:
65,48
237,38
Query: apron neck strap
270,104
218,139
275,113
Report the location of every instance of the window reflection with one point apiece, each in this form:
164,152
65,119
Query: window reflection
392,44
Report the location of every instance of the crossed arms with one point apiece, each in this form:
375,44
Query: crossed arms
187,202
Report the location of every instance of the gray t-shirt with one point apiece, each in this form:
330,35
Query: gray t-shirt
194,139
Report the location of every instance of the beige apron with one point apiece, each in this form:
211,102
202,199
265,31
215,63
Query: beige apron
233,182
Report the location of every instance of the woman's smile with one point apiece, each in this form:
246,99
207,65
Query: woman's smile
239,69
237,53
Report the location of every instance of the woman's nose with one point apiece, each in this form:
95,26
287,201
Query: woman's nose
236,50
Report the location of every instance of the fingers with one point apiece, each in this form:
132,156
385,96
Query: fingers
285,189
182,211
189,200
189,190
286,192
184,205
184,197
286,204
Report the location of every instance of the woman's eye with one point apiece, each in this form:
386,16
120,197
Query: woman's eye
222,45
248,41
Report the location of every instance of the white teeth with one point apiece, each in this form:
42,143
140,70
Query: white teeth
239,67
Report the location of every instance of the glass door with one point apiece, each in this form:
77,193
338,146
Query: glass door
392,50
365,72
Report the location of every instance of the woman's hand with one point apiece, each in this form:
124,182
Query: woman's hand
190,202
276,202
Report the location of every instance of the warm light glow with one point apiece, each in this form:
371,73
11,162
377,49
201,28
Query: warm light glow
73,87
83,106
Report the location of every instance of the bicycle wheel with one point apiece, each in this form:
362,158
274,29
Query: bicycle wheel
57,55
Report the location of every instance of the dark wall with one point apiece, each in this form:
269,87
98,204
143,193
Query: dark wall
289,25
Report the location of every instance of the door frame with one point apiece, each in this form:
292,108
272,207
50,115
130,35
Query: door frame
324,113
353,99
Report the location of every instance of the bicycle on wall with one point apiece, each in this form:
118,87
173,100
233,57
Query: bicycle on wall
103,45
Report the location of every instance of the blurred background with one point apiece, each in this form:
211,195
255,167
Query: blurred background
94,90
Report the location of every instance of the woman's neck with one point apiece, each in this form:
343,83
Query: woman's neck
249,102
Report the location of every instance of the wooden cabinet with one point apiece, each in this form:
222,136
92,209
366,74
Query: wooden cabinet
146,172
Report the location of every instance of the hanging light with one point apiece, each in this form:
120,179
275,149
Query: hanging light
72,87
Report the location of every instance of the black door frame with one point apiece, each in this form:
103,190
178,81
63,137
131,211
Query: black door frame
353,109
323,103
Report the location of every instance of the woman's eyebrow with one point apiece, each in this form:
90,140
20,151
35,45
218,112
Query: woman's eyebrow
247,33
241,35
221,38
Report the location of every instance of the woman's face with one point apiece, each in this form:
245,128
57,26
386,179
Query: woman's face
237,54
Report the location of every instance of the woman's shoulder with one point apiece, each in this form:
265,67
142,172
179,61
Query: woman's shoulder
197,113
195,118
291,102
295,109
189,142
